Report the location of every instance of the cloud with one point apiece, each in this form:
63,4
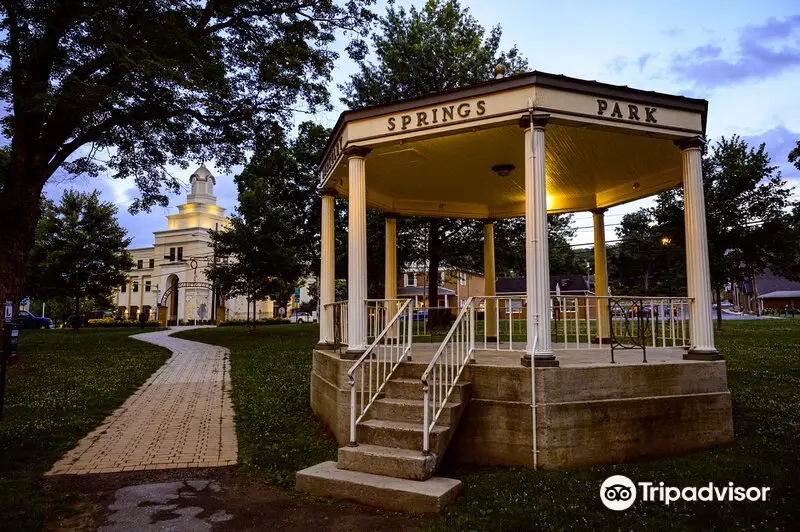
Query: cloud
779,142
762,50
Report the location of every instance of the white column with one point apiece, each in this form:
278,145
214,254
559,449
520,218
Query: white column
698,276
601,275
537,261
357,250
327,266
490,308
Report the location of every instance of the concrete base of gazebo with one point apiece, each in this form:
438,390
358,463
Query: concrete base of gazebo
589,410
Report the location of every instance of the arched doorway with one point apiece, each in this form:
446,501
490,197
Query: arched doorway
172,302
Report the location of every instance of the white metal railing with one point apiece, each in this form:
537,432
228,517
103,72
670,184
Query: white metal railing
379,312
577,320
370,373
336,316
445,368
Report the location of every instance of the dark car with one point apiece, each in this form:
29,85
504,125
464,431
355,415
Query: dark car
86,316
26,320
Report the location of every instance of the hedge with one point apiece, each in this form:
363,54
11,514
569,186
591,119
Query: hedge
267,321
111,322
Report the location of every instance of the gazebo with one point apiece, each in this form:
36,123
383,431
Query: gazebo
525,145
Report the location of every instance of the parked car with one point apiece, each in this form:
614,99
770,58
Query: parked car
26,320
86,316
302,317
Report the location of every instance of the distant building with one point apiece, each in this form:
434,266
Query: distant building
455,286
768,290
172,271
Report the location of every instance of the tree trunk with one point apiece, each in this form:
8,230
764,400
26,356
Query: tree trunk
255,317
77,323
19,213
248,311
718,292
755,296
434,251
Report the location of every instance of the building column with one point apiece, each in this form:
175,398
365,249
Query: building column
698,276
537,261
327,267
390,269
356,251
601,276
489,279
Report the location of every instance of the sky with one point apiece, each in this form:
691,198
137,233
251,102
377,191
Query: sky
742,56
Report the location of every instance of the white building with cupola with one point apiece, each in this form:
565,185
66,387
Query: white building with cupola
171,274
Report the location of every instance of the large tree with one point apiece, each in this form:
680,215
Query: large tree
149,84
746,199
80,250
423,51
274,233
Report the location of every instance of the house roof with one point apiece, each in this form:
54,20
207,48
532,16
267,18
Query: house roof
769,282
781,294
567,284
422,291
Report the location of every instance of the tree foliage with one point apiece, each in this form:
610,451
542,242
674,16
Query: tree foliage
80,250
272,241
418,52
148,84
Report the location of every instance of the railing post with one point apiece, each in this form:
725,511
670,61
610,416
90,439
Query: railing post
353,412
472,332
426,446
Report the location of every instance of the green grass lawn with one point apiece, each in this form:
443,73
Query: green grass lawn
279,435
65,384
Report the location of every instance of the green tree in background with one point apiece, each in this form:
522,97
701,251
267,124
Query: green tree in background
80,250
154,82
417,52
272,242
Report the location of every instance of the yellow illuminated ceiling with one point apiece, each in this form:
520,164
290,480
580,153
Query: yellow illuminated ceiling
586,167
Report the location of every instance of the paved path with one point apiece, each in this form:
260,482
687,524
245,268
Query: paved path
181,417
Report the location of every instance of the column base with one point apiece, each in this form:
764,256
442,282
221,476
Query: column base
703,354
323,346
603,341
491,338
540,361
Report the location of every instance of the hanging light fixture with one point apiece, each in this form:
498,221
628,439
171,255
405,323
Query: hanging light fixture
503,169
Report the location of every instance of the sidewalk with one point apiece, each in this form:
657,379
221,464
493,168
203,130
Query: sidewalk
181,417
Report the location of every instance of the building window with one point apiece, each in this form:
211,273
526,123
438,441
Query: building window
152,263
123,288
135,286
180,253
411,279
463,278
147,285
172,254
139,264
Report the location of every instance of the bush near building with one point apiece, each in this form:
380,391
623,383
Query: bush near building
113,322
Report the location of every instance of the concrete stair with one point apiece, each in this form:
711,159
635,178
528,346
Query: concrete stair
387,468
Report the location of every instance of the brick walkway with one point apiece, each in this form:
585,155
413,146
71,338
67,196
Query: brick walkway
181,417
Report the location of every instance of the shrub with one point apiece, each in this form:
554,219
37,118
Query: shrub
112,322
267,321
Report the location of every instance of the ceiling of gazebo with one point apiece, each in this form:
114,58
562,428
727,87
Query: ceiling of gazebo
452,175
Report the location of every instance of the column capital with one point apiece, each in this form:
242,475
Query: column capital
488,221
327,192
391,215
690,143
539,120
600,210
357,151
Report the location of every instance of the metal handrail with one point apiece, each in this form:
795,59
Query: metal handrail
378,363
446,368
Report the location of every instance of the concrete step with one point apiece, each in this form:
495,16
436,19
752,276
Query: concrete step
411,370
410,410
429,496
406,388
401,435
387,461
